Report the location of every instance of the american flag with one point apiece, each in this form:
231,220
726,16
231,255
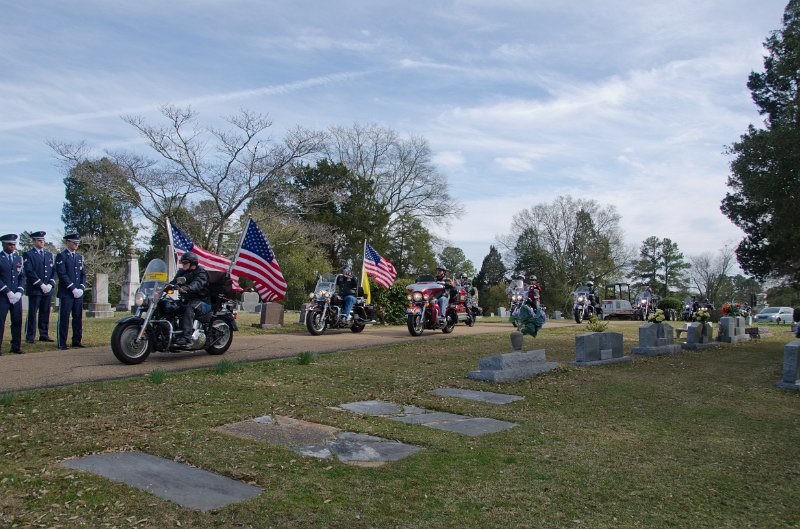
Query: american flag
381,269
256,260
208,260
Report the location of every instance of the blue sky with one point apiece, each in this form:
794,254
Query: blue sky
629,103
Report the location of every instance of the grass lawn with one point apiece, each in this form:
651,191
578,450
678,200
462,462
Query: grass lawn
699,439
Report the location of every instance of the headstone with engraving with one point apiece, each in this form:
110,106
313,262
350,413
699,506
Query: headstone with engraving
656,339
731,330
271,315
131,282
791,366
698,336
598,348
251,302
100,308
512,366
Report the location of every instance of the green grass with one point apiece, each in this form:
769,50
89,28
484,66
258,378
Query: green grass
158,376
225,366
698,439
306,357
7,397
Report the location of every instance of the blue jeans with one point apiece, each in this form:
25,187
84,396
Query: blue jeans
443,301
349,301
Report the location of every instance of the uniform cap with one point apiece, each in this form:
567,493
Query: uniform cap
72,237
9,237
38,235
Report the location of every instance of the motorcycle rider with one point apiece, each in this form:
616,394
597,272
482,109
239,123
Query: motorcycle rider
195,299
534,290
444,297
347,286
518,283
592,297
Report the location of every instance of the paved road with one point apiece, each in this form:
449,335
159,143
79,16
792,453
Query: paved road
73,366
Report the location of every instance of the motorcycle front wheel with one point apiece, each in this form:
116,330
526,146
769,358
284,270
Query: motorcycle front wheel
451,323
223,337
578,316
315,323
124,346
357,327
415,324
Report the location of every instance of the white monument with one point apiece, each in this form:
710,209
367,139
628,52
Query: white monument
131,283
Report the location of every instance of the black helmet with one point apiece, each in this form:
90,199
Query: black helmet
463,274
189,257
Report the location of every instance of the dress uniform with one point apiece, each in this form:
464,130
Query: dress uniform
71,285
40,277
11,280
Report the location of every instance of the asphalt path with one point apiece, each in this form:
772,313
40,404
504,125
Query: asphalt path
92,364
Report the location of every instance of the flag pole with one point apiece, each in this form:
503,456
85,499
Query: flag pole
241,241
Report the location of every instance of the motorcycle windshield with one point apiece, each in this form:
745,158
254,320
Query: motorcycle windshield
154,277
326,284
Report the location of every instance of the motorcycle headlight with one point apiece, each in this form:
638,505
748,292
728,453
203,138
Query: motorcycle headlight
323,294
138,299
410,297
418,296
426,297
581,298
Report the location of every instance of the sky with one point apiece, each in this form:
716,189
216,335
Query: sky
631,104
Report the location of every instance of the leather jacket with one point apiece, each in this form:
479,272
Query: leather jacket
196,283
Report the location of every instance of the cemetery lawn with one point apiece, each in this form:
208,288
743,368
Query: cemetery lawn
699,439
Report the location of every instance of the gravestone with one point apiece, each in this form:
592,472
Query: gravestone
251,302
100,308
321,441
698,336
732,330
438,420
481,396
509,367
176,482
791,363
656,339
131,282
271,315
599,348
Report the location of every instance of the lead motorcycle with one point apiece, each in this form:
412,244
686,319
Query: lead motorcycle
156,319
423,307
585,305
515,301
325,309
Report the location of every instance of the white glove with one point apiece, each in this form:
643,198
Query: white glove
13,297
76,293
46,288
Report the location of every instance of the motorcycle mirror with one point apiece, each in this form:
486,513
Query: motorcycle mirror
181,280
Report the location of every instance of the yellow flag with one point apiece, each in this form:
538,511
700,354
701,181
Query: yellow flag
365,285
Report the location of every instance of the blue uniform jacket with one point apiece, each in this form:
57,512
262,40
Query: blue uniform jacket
11,274
71,273
38,270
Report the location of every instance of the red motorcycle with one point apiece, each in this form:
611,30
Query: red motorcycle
423,307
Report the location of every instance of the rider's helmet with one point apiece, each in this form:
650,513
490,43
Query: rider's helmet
590,284
190,257
520,277
441,268
533,279
463,275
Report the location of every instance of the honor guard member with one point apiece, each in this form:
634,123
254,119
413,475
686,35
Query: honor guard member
11,278
71,285
40,275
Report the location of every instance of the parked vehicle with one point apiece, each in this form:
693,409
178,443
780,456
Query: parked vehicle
156,323
617,302
775,315
690,306
324,311
423,307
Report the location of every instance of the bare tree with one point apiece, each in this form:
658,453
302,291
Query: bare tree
708,272
402,171
226,167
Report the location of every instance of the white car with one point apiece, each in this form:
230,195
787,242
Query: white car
775,315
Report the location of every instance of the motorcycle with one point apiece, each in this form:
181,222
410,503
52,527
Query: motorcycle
325,309
156,318
689,308
643,309
423,307
515,301
467,297
584,306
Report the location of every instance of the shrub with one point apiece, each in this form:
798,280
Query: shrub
392,301
670,303
494,297
596,325
305,358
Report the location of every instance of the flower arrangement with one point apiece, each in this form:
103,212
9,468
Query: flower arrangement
656,317
702,315
729,309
